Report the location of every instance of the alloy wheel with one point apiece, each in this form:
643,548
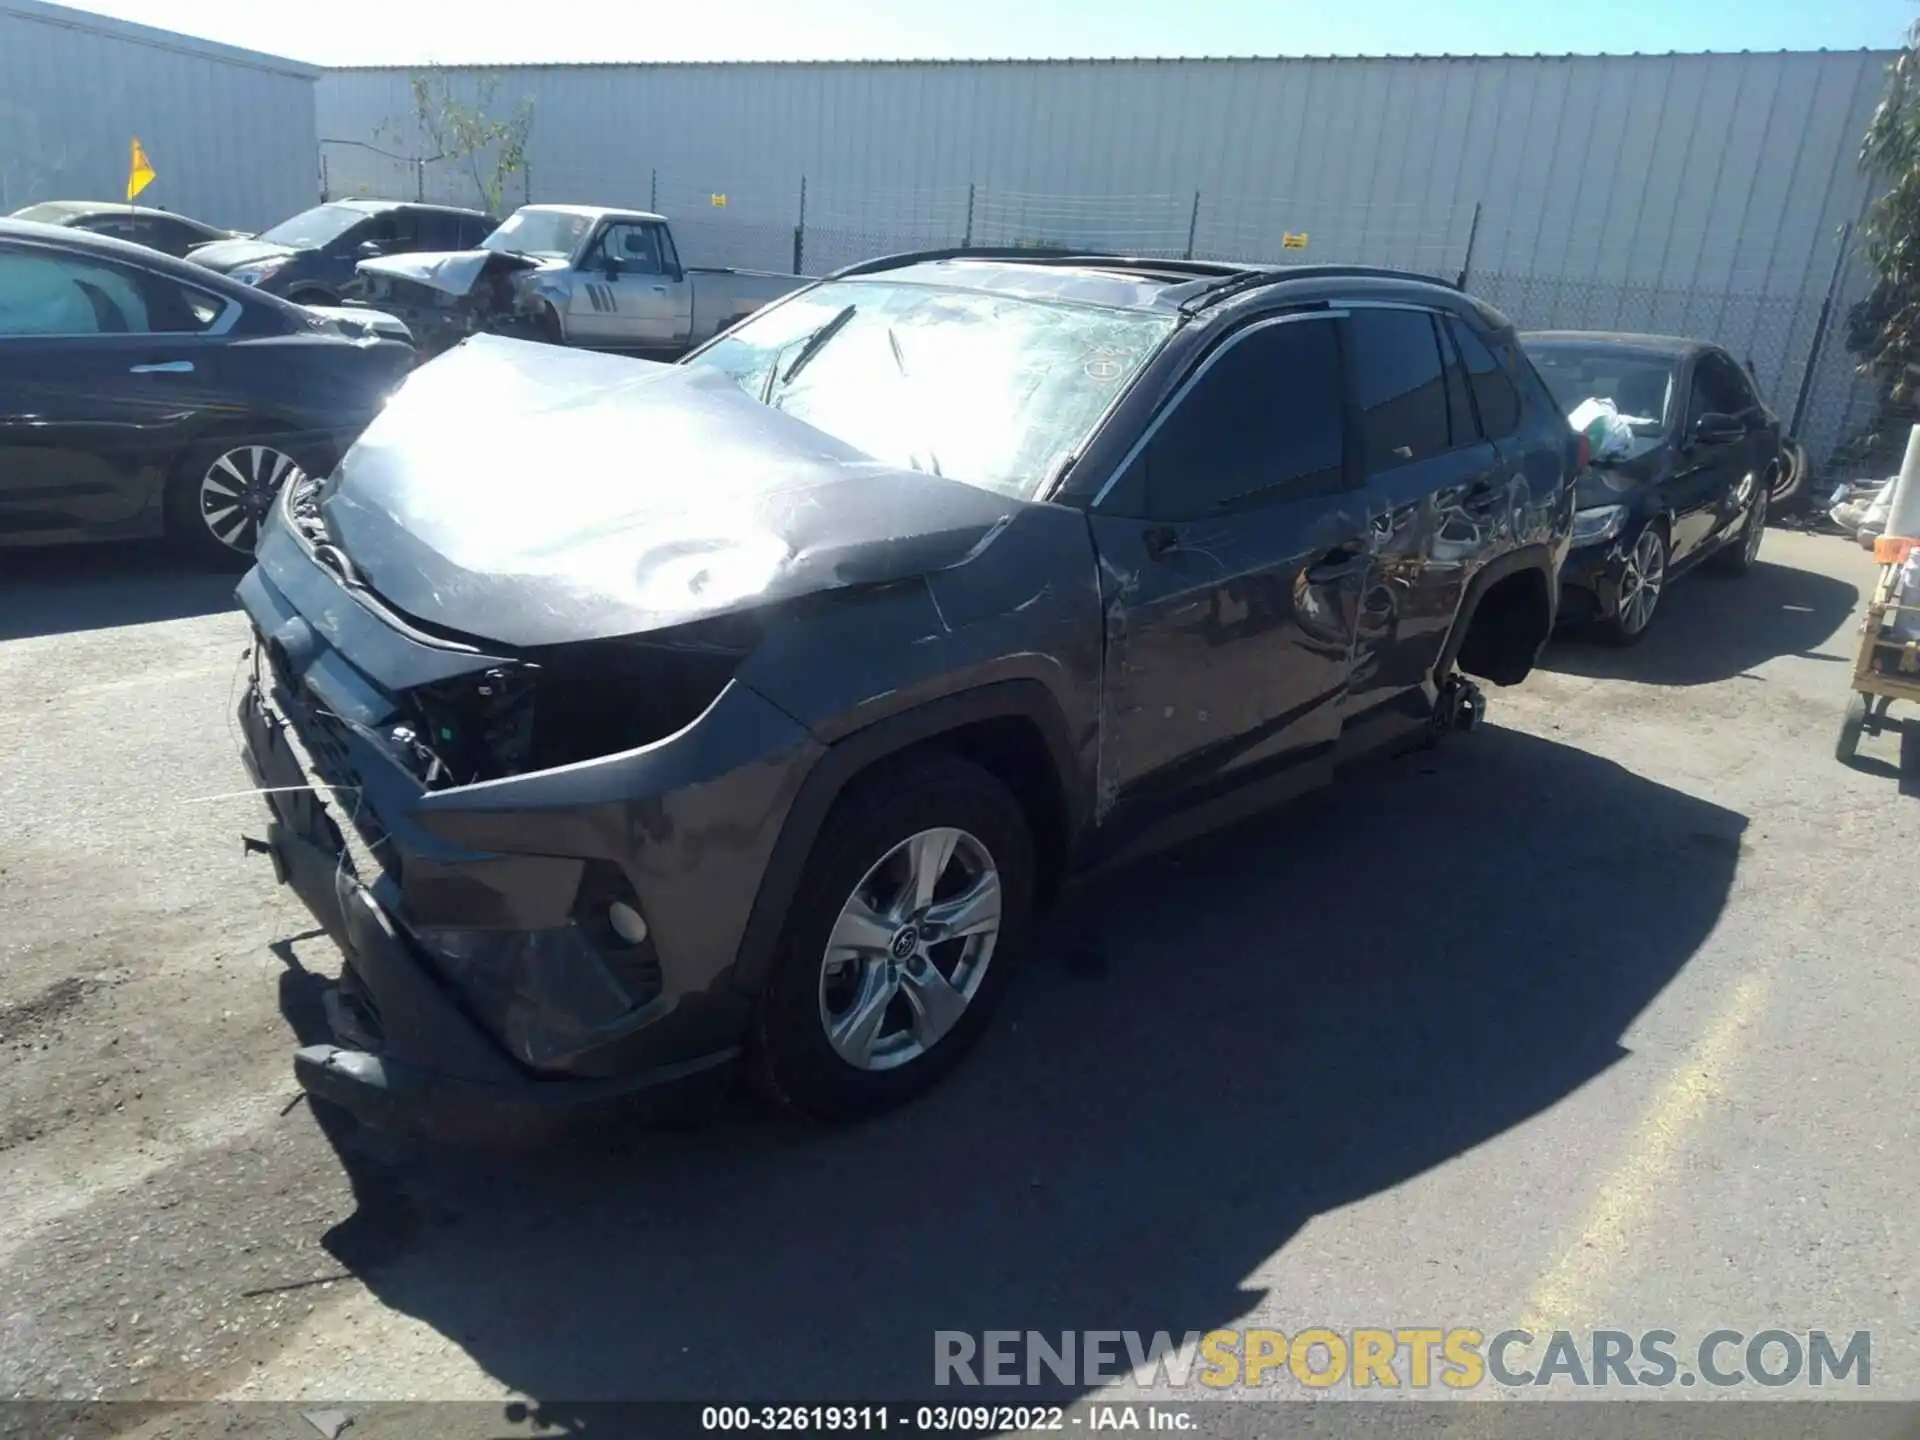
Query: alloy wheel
1641,580
910,949
238,489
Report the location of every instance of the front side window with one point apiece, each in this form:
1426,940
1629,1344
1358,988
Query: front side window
994,390
1399,387
47,294
634,246
1719,388
1261,423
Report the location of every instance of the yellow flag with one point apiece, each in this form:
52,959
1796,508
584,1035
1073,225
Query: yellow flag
139,172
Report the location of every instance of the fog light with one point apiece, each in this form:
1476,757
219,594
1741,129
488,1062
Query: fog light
627,923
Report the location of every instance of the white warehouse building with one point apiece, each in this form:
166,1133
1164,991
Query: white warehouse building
230,133
1707,194
1704,194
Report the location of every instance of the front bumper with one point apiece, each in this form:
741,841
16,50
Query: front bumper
432,1070
491,1005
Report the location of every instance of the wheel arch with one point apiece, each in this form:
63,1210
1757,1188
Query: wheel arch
1013,728
1518,594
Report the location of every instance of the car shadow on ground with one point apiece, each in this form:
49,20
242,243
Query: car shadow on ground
1289,1017
1711,627
67,588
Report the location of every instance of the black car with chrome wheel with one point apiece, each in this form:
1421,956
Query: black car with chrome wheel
141,395
1690,486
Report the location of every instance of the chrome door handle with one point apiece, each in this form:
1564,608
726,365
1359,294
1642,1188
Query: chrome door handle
164,367
659,289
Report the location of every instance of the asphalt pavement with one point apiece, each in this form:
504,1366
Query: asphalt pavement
1600,1017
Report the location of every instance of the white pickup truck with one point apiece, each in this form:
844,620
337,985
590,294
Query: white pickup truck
573,274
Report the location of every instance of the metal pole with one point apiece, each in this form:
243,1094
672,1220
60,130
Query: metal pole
1819,336
325,185
420,180
653,191
1193,224
800,231
1473,232
968,242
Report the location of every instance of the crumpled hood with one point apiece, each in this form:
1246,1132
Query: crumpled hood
453,272
225,255
532,495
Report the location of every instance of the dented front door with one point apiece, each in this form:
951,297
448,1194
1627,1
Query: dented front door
1233,551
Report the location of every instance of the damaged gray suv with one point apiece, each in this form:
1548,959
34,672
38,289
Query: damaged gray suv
621,721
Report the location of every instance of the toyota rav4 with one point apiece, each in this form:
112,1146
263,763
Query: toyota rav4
623,720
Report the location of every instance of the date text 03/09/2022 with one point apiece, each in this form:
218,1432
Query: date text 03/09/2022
938,1419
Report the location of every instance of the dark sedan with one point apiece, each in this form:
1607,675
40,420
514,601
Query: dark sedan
1689,486
142,395
310,258
160,230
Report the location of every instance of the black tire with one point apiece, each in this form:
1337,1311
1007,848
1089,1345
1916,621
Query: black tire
313,296
1852,725
1740,554
1619,629
791,1058
196,515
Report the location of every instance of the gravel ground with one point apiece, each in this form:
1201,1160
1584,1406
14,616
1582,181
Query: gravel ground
1592,1019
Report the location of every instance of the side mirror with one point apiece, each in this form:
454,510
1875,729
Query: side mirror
1716,429
371,248
610,263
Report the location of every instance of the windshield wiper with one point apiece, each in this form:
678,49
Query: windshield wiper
816,343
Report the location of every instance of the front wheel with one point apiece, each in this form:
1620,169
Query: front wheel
219,496
900,940
1643,578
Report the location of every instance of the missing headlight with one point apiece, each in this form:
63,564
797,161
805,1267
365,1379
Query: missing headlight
579,703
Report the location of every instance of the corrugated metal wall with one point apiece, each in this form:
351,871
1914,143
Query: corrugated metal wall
1695,170
230,132
1702,194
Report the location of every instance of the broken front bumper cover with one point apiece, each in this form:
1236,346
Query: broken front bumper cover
434,1072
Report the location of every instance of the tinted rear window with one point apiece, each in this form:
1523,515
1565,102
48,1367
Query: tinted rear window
1493,393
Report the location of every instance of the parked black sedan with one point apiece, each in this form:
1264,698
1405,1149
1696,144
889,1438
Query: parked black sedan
1691,486
160,230
310,258
142,395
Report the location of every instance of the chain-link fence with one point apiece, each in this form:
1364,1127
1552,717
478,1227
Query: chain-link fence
1789,329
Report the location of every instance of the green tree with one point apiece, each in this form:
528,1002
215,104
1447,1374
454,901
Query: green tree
1884,328
492,149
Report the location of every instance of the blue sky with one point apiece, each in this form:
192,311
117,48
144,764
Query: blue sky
385,32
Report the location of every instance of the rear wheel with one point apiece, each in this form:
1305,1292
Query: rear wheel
1852,725
900,940
1643,578
219,496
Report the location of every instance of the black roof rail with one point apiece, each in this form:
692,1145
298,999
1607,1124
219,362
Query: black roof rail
1254,278
1197,269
